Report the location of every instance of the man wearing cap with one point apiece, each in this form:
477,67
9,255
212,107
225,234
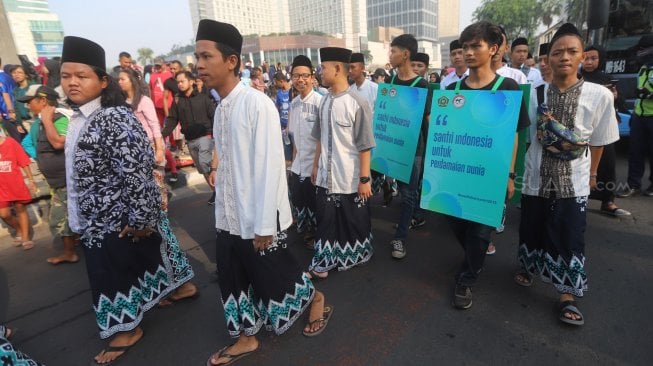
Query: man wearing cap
518,56
502,69
114,202
420,64
341,170
461,70
364,87
558,176
402,50
641,123
48,135
302,117
261,283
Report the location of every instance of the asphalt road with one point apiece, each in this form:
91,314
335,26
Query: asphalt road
386,313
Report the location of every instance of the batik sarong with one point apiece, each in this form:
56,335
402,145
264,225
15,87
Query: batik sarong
344,232
552,243
258,289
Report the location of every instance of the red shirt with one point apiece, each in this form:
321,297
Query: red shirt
156,86
12,184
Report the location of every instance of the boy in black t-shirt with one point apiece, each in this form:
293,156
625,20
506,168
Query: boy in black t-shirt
402,49
480,42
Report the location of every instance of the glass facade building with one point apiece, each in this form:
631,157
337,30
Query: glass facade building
417,17
36,31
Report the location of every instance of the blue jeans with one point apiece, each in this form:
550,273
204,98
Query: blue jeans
641,148
409,199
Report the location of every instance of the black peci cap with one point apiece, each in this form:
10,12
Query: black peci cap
83,51
302,60
335,54
421,57
357,57
218,32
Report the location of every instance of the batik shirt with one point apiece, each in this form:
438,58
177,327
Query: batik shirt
587,109
112,173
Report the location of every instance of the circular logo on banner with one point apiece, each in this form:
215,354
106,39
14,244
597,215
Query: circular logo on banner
393,92
458,101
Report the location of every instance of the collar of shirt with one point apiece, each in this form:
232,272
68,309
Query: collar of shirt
365,81
307,96
87,109
232,94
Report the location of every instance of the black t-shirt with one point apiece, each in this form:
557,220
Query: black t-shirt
171,85
507,84
424,130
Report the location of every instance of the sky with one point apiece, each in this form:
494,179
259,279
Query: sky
127,25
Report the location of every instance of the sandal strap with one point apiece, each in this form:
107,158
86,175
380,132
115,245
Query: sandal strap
571,307
117,348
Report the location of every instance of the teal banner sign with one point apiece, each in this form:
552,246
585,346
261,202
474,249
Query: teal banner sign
468,153
397,120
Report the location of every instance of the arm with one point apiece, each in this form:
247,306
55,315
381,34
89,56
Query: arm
511,182
166,109
10,105
47,119
30,179
269,168
171,121
595,159
151,118
316,161
131,162
214,168
365,189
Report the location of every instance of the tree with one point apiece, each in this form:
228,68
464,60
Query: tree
576,12
518,17
144,55
549,9
368,56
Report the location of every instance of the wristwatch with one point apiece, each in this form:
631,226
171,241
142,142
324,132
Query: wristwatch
364,180
512,175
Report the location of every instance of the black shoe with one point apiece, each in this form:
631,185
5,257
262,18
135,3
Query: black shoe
173,178
649,191
211,201
462,297
628,192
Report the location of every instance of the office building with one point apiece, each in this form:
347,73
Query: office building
346,19
35,30
262,17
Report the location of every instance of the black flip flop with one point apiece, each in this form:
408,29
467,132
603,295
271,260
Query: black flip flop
232,358
326,315
570,306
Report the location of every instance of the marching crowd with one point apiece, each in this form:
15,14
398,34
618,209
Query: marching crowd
290,145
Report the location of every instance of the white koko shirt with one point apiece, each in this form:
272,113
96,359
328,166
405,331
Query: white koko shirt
302,118
251,189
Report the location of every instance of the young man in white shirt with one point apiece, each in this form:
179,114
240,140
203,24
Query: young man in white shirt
260,282
461,70
559,176
364,87
518,56
341,171
302,117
